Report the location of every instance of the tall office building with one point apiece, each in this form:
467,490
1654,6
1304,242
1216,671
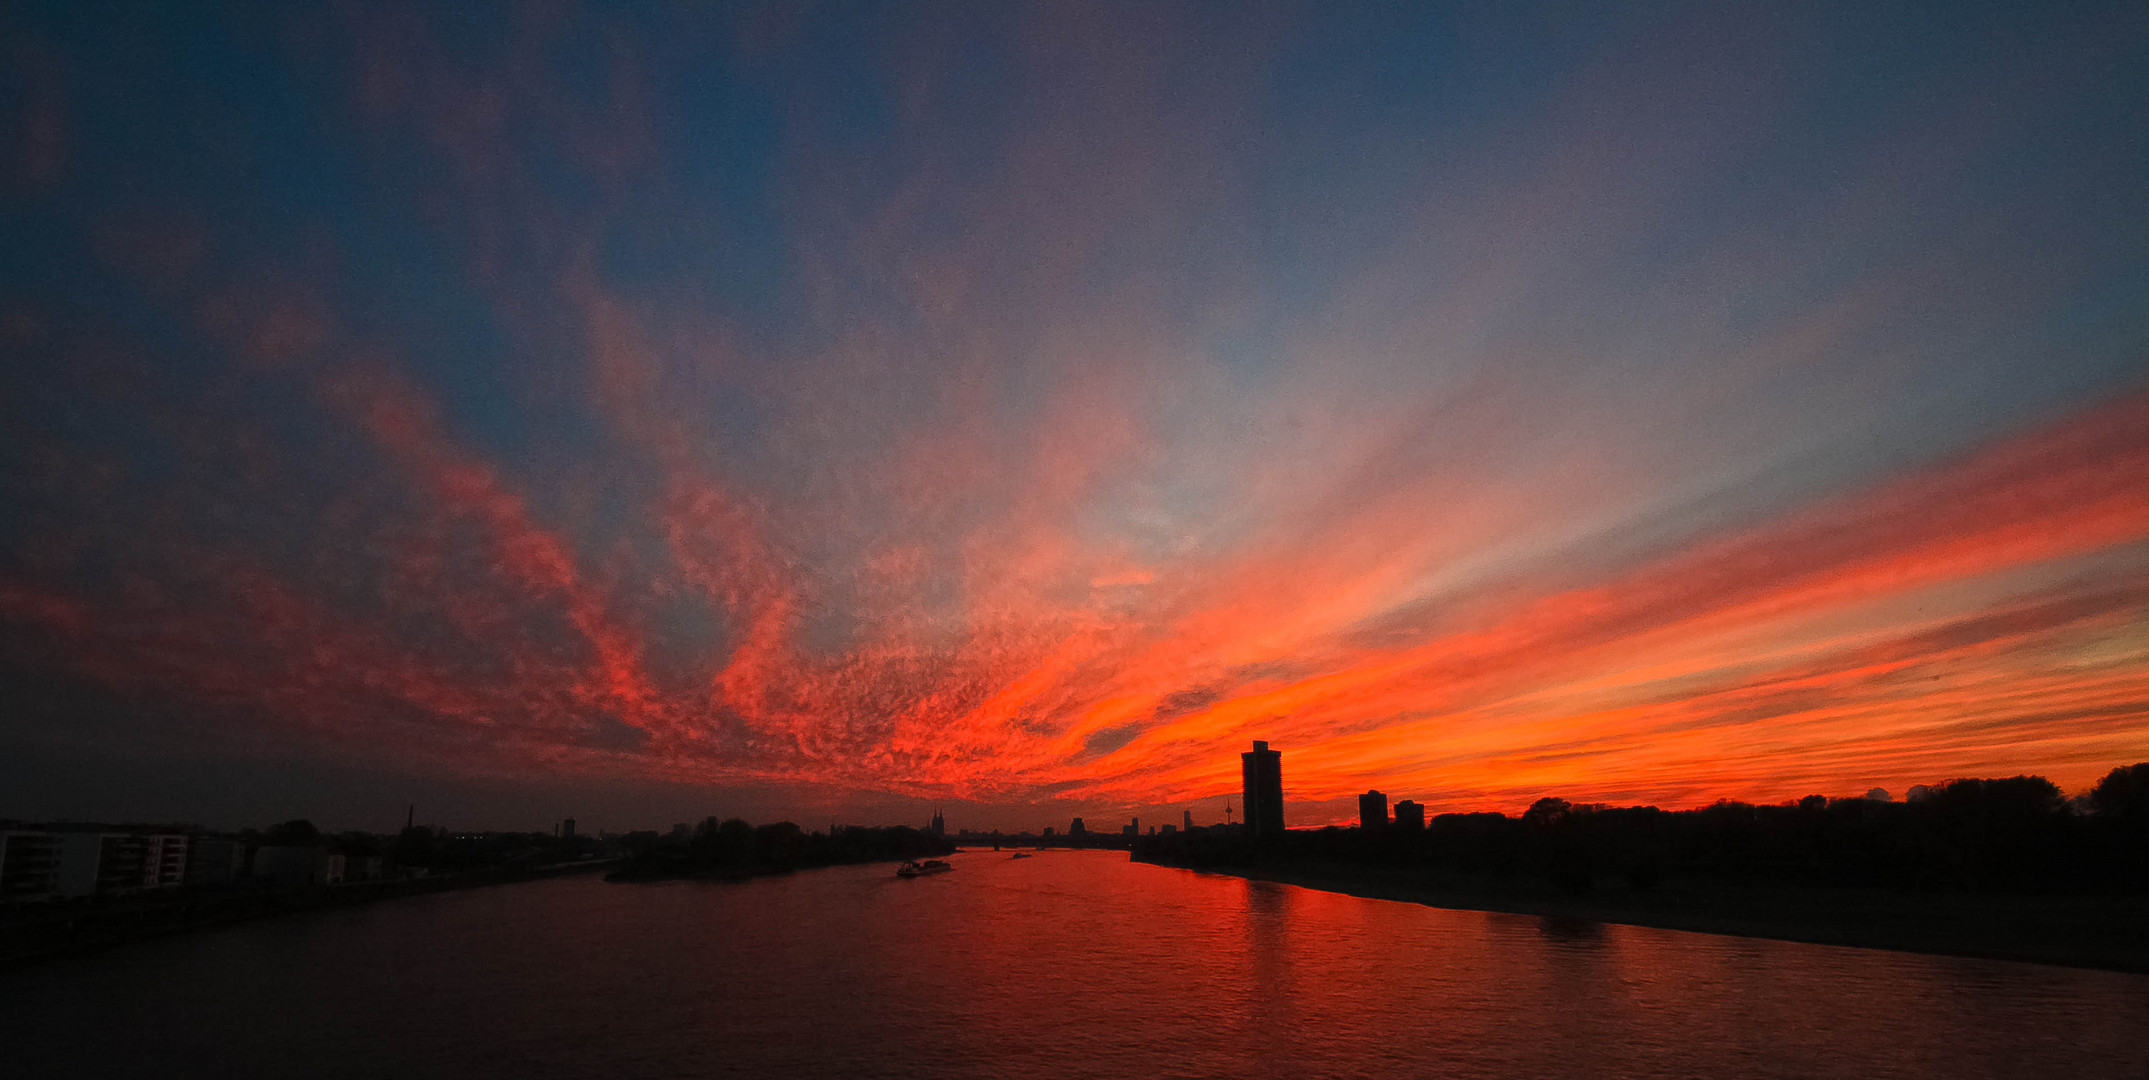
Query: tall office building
1409,815
1262,770
1373,811
1186,820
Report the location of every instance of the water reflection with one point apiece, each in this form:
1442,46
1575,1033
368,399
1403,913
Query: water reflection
1570,931
1071,964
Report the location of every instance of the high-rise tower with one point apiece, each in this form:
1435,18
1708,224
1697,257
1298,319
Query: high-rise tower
1262,770
1409,816
1373,811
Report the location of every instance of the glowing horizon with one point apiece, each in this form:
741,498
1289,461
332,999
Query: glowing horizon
1028,412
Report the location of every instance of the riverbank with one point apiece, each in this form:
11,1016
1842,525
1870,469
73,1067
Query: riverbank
2104,932
35,932
646,872
734,850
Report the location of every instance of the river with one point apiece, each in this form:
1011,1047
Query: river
1069,964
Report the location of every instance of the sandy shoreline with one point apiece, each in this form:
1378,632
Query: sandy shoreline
2103,932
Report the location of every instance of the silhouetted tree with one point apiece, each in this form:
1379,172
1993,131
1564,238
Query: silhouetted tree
414,846
2006,834
780,844
2014,796
359,844
2120,803
1546,812
733,848
735,842
2123,794
298,832
1991,833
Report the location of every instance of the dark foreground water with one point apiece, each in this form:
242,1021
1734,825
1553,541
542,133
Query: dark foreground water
1070,964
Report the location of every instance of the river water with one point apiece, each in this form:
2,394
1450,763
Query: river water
1069,964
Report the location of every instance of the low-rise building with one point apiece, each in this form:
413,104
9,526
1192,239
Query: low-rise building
41,864
120,860
213,861
81,859
29,865
164,860
293,866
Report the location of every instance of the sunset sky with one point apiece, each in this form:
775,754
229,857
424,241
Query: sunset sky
827,413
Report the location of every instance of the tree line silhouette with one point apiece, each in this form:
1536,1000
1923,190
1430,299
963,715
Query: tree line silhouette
2016,834
734,848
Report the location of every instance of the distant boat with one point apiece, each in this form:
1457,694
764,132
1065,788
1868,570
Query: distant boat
1022,854
917,869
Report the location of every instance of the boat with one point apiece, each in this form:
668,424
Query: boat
1022,854
918,869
